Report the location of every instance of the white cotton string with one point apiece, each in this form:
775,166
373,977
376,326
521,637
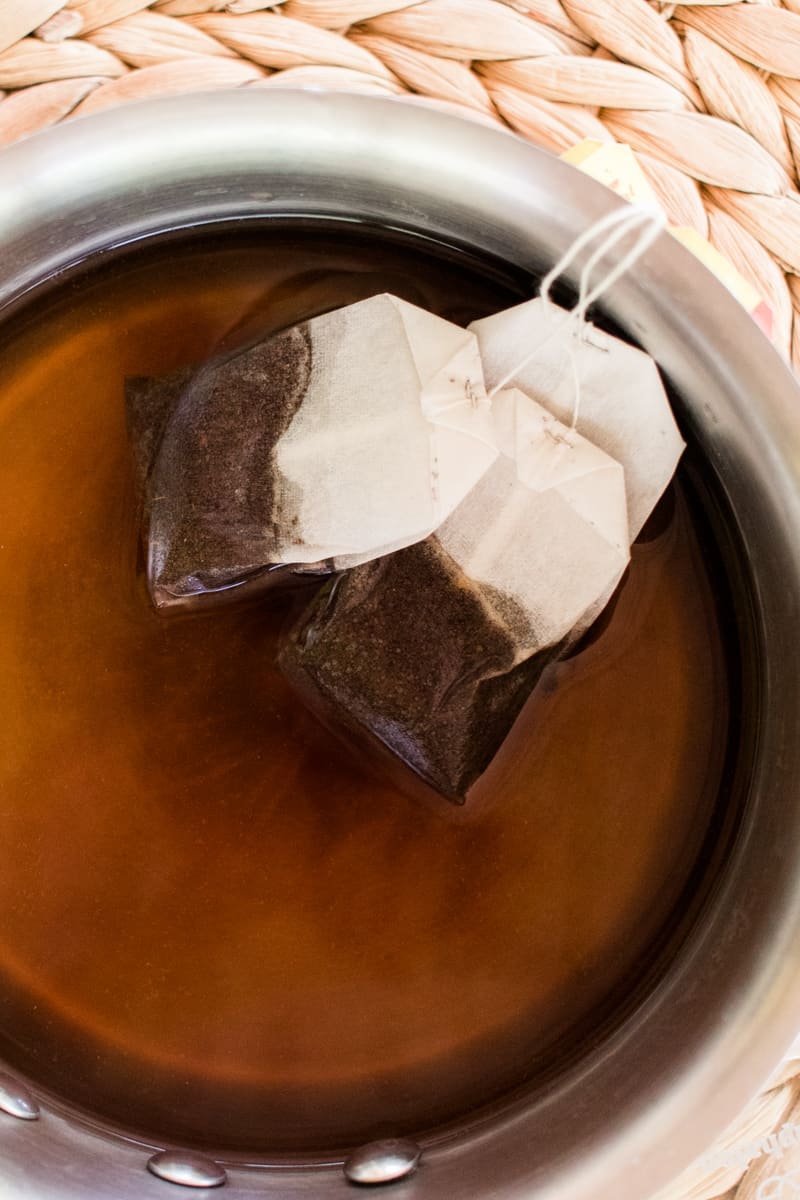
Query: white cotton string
576,394
652,224
618,216
622,221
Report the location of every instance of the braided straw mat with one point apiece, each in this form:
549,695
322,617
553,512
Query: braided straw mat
706,93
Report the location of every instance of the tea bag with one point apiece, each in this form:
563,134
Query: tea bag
344,437
431,652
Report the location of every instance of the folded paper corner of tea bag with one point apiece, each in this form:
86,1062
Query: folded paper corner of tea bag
339,439
544,531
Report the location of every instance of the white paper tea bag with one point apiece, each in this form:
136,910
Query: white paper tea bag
344,437
430,653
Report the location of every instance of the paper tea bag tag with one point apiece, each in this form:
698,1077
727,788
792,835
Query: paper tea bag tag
544,532
623,408
393,430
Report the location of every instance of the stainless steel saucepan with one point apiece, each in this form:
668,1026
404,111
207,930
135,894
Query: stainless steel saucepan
653,1093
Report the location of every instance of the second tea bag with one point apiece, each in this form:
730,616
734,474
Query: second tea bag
611,389
341,438
431,652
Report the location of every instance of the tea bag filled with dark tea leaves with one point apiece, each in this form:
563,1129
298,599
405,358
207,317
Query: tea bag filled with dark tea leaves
431,652
344,437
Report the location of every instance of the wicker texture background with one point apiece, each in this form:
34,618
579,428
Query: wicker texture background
707,94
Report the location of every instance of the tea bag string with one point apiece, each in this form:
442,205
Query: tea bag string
652,224
624,216
622,221
628,218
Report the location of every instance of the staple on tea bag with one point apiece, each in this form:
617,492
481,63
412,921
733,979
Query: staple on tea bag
432,651
343,437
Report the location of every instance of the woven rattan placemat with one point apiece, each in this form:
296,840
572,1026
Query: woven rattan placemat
707,94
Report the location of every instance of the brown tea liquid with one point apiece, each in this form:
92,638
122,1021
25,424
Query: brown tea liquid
215,926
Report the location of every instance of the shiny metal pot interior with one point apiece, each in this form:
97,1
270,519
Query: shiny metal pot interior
654,1093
